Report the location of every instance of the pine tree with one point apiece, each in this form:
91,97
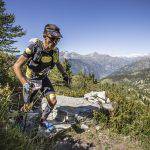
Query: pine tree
67,67
8,32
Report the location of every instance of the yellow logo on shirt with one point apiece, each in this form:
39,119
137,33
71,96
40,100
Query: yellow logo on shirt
46,59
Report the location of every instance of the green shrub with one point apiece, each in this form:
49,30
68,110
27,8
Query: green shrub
12,138
131,117
7,75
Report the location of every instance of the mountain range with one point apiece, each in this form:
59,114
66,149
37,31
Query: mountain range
101,65
137,75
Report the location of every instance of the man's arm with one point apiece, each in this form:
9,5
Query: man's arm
61,69
64,74
17,69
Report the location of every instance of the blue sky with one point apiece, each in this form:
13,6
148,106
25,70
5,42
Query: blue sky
115,27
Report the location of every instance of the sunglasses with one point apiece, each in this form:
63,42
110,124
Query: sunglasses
54,33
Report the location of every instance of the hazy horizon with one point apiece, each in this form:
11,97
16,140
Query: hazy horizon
128,55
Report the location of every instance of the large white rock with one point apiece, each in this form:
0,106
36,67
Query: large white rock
100,98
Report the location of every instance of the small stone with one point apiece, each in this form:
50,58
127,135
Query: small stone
97,127
66,138
76,145
108,100
84,127
79,118
84,145
108,106
92,148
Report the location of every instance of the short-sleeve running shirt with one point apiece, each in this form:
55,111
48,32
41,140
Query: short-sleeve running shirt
46,60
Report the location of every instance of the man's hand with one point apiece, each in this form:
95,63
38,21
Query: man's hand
27,107
67,80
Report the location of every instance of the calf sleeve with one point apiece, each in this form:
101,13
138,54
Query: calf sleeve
47,111
26,96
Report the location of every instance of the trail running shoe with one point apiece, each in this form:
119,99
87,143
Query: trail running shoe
49,126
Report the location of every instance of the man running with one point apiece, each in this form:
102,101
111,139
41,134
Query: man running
40,57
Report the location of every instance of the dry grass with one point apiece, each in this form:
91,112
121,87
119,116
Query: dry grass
105,139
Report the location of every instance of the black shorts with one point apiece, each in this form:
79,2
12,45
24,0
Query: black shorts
45,86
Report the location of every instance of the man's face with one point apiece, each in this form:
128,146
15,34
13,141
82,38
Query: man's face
51,42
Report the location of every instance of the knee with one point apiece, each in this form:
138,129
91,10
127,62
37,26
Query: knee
51,99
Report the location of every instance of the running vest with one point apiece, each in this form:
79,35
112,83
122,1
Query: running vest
40,61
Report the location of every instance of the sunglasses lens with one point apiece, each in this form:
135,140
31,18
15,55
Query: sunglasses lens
54,33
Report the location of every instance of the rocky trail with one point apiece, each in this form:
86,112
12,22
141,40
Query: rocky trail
73,116
70,110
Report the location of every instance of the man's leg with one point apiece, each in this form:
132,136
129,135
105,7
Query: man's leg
49,94
51,102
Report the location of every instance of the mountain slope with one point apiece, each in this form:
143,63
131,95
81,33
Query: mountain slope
137,75
141,64
100,64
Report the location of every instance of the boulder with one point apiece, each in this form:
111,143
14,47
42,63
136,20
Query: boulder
99,98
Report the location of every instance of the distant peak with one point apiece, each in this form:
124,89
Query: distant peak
96,54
